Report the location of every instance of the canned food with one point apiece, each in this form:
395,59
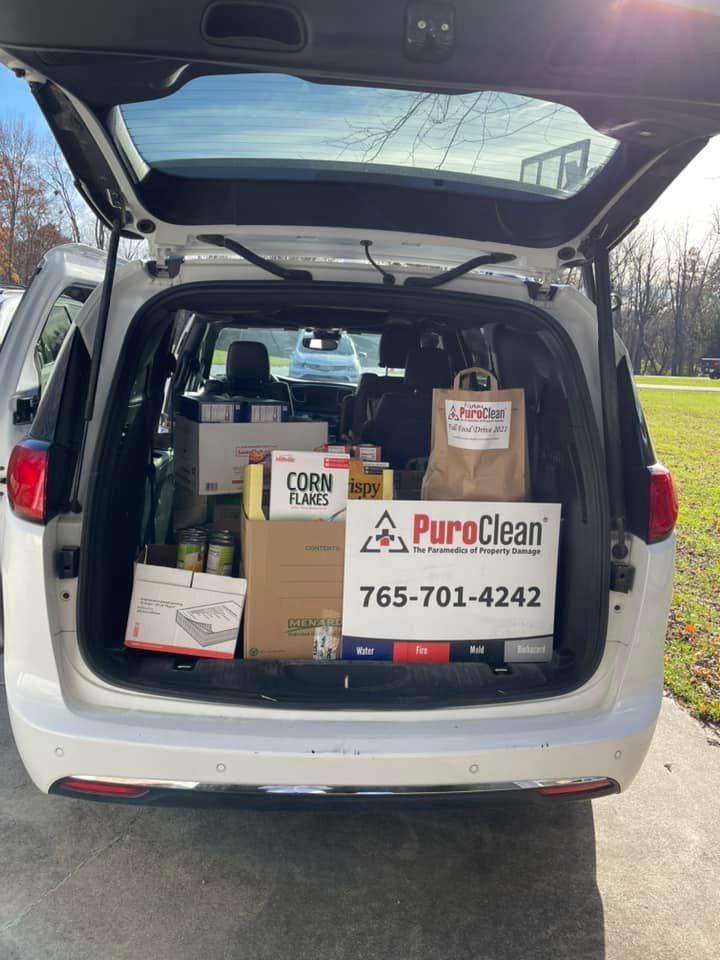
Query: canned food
221,550
192,549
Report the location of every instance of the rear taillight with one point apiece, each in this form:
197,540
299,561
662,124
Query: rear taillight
105,789
571,788
27,478
663,503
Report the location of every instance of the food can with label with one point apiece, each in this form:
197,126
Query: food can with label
221,549
326,642
192,548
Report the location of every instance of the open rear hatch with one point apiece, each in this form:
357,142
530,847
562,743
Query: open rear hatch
488,123
440,131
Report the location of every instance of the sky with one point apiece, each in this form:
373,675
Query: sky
692,197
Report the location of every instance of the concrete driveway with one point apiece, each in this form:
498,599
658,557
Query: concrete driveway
628,877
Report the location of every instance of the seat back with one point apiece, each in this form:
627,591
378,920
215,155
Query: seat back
403,419
247,374
396,341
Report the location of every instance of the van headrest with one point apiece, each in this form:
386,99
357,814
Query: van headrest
396,341
428,368
248,362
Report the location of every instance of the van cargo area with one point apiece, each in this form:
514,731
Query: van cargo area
175,348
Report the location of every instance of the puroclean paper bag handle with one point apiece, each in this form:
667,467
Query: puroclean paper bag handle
457,382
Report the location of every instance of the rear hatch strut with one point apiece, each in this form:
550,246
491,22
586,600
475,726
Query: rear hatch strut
597,283
99,339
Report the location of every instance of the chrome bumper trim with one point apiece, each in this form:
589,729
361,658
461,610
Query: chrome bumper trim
316,790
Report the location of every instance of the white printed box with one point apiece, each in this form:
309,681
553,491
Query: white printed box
178,611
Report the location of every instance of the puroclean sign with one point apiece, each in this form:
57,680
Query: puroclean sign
451,572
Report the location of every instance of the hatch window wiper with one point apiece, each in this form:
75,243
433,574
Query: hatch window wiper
276,269
462,268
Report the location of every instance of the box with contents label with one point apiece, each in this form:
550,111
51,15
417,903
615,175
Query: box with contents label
294,570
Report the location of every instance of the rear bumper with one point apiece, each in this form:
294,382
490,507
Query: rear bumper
315,797
254,759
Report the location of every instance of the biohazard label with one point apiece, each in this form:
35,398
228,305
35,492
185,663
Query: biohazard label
478,424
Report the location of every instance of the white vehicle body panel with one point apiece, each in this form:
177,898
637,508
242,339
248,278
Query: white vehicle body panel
69,722
61,267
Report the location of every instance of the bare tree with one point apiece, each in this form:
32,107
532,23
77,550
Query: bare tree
60,183
100,234
425,128
28,211
17,176
689,269
638,277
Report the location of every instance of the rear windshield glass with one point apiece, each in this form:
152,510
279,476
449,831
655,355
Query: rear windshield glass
256,125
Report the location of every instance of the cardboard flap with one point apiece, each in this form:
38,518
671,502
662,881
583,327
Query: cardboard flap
226,585
149,573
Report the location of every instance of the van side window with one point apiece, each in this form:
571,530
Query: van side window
40,362
55,329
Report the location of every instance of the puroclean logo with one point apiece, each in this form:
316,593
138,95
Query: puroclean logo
386,539
478,424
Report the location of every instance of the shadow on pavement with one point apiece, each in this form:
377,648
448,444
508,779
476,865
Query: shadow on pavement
485,883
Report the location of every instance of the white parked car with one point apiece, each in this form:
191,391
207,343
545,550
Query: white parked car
432,191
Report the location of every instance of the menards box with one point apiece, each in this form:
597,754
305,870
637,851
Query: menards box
210,458
294,570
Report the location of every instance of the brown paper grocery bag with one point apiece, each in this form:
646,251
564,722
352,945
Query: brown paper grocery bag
479,443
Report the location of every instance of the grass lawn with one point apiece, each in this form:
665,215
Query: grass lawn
685,429
220,356
681,381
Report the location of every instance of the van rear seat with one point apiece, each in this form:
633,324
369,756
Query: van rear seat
402,421
247,374
396,341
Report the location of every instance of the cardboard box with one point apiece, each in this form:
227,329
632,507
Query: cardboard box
368,481
359,451
308,486
177,611
222,409
210,457
294,571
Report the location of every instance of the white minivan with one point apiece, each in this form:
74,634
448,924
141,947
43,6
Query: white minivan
419,175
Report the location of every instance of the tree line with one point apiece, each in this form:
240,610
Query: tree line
39,205
668,282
